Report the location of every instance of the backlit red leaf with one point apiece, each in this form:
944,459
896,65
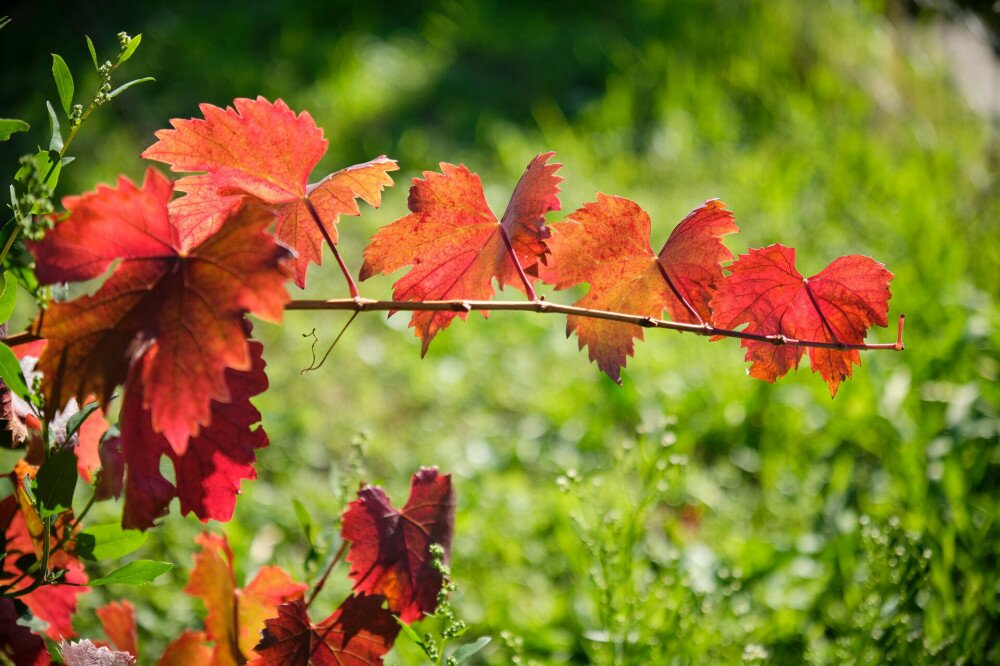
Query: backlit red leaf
263,152
357,634
389,552
179,303
765,291
88,443
209,472
235,617
118,620
606,244
456,244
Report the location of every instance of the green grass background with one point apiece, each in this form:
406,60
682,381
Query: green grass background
693,515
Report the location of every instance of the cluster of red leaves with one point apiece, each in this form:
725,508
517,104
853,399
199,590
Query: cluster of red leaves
267,621
169,324
457,248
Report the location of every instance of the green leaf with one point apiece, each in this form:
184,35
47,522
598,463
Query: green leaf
130,48
93,52
125,86
48,164
464,652
74,422
10,372
138,572
4,20
108,542
55,483
56,142
305,520
64,82
10,125
26,276
408,630
8,296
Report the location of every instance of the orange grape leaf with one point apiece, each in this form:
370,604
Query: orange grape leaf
606,244
118,620
256,602
209,473
188,649
389,552
235,617
88,444
765,291
179,304
455,243
356,634
264,152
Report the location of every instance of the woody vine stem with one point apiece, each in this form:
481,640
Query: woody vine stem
362,304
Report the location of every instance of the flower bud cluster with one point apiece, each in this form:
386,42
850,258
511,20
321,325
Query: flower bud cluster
33,199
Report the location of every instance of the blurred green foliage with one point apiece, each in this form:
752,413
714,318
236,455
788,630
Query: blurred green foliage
693,515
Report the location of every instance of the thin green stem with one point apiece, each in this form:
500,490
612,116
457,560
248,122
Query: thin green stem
326,574
10,243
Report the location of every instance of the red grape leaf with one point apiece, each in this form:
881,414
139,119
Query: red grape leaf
55,604
765,291
257,602
264,152
118,620
357,634
210,471
189,649
606,244
17,643
389,548
235,617
89,440
455,243
178,303
111,480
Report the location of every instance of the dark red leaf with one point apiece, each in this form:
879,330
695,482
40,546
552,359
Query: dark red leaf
210,471
357,634
17,643
389,548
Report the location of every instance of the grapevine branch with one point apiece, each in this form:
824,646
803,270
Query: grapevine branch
361,304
